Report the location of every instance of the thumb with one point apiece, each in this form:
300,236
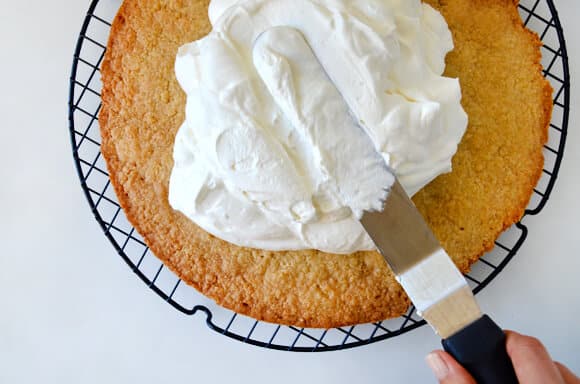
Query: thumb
447,370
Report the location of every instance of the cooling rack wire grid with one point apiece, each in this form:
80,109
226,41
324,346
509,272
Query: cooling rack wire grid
84,106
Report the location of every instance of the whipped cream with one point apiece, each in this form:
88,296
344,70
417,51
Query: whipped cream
278,152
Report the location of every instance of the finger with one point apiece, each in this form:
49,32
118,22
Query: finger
531,361
447,370
569,377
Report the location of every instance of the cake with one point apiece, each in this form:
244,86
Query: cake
495,169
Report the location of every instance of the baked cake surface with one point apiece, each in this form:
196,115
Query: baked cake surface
498,163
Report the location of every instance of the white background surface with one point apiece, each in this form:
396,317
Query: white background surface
72,312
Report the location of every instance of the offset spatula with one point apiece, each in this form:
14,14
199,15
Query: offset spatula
434,284
437,289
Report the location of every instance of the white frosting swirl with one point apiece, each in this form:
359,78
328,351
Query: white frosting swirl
269,156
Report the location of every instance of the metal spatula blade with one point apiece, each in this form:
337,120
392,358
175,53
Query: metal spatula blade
422,267
437,289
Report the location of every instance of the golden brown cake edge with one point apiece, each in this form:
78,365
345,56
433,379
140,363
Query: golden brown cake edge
281,312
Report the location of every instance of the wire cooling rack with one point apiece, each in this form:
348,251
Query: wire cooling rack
84,106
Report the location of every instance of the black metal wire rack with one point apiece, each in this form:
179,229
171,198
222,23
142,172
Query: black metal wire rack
84,106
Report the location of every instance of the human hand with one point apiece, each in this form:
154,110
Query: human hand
530,359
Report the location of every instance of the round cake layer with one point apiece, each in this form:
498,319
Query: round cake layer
494,171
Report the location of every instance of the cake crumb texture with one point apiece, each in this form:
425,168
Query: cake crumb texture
498,163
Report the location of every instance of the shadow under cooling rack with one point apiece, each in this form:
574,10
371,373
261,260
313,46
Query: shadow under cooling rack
84,106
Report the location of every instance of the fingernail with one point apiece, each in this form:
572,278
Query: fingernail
437,365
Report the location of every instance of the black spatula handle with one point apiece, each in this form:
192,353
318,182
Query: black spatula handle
480,349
